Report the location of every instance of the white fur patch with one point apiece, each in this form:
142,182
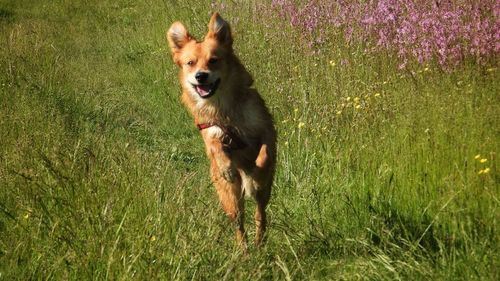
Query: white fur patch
199,100
248,185
214,132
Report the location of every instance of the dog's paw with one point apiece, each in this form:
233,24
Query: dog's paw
229,174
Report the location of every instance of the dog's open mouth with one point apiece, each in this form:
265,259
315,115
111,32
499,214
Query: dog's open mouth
207,90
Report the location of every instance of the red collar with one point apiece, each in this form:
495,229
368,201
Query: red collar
204,126
231,137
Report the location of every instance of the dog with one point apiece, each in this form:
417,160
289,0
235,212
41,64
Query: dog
234,122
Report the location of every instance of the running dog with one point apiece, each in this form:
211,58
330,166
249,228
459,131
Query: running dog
235,125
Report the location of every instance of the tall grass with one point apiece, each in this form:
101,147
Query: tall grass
383,173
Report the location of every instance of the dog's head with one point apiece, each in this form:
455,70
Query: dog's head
204,65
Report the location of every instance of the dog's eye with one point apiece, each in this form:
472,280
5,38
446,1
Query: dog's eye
213,60
190,63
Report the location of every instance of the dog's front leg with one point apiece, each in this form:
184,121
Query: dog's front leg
221,158
228,185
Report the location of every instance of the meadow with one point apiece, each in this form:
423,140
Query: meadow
387,169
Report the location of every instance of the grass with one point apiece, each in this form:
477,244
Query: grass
103,175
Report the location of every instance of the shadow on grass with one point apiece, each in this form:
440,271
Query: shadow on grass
6,15
402,230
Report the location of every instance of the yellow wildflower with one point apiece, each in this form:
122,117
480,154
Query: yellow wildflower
377,95
484,160
356,99
339,112
358,106
296,110
301,124
332,63
477,156
484,171
152,239
348,98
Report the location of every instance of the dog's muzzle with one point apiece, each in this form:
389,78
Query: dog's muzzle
206,90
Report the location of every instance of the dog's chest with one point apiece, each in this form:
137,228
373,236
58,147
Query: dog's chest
215,132
233,138
245,123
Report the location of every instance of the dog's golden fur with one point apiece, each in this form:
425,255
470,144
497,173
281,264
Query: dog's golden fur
234,122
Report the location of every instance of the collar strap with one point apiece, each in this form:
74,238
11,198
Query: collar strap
231,138
204,126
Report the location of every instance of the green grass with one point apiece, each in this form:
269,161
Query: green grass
103,174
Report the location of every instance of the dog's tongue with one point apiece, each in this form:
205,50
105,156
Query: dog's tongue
203,90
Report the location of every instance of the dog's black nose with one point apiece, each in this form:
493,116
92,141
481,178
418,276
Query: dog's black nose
201,77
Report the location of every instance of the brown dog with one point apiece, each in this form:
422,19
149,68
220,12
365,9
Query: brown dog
234,122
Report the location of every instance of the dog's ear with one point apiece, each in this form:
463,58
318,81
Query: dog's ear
219,29
178,37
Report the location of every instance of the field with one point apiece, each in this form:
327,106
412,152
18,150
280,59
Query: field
385,172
